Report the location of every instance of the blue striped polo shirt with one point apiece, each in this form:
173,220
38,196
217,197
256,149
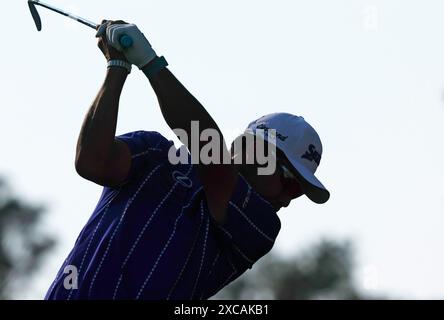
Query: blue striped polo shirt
154,238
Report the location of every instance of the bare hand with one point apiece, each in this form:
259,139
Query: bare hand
108,51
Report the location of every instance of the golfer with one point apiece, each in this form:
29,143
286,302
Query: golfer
164,229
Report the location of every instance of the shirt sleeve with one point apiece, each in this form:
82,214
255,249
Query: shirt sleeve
251,226
147,148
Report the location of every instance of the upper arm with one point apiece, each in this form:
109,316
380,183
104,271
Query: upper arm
111,172
130,153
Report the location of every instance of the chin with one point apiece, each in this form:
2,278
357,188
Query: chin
277,207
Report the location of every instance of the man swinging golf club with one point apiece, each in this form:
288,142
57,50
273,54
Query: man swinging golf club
164,230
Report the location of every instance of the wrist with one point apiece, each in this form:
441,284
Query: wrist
154,66
120,64
150,63
115,77
119,72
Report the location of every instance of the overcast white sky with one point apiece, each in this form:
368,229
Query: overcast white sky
368,75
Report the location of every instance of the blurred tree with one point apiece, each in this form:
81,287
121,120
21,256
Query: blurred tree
324,271
22,243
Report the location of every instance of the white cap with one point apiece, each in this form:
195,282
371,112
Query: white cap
301,145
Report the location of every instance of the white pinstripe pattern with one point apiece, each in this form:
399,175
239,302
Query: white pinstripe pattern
236,247
251,223
229,277
188,257
163,249
203,253
214,262
59,273
57,276
92,237
247,198
265,201
117,287
257,194
139,236
145,152
211,271
118,225
155,148
172,234
243,254
225,231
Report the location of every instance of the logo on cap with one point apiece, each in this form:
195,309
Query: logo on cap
265,128
312,154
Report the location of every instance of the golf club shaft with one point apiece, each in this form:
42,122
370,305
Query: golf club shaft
125,40
67,14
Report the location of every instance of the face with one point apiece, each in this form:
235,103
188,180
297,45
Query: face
279,188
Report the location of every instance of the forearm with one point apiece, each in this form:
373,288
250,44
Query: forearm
179,107
99,126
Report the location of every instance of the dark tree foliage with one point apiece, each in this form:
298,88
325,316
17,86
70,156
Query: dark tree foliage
324,271
22,243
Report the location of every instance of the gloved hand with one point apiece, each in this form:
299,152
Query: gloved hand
140,53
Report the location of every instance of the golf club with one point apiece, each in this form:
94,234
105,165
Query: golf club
125,41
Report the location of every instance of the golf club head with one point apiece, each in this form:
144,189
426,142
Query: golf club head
35,15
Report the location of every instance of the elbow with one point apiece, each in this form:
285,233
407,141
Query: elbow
85,167
89,171
81,168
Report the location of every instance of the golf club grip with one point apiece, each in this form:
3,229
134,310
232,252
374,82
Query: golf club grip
126,41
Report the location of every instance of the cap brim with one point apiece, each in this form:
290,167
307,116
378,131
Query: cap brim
312,187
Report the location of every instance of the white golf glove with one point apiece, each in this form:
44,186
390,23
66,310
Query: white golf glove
140,53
